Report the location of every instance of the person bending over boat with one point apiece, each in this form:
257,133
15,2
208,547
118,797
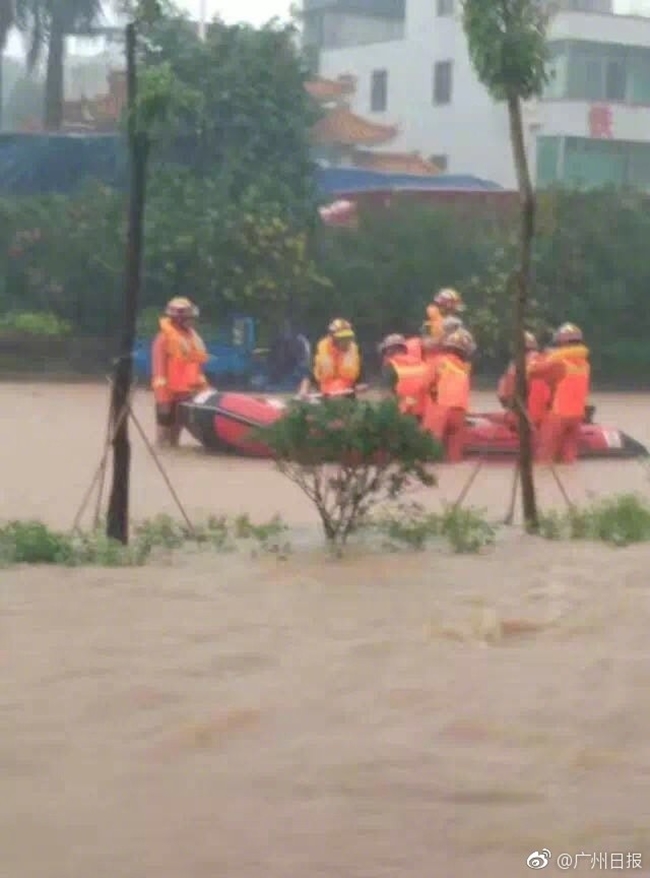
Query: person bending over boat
566,370
447,405
289,359
447,303
337,363
177,358
539,394
404,375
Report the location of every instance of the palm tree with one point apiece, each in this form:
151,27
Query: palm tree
7,18
46,23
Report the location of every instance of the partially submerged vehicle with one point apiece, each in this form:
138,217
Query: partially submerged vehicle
227,422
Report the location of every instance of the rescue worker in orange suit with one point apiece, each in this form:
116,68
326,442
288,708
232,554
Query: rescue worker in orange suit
337,362
539,393
447,303
425,344
566,370
447,406
404,375
177,355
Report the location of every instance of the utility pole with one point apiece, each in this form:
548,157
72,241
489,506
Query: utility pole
139,144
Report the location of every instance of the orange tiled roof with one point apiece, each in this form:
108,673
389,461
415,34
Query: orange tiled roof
395,163
342,127
326,90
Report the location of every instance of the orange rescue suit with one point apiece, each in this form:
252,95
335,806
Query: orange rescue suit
446,409
177,357
539,393
336,370
414,346
412,383
567,372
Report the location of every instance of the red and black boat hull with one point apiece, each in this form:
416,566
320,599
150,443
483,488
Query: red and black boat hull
226,423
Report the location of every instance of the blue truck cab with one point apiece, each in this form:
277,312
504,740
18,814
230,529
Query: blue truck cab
234,359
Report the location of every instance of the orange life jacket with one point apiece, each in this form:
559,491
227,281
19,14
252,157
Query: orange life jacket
452,381
177,358
572,388
336,370
412,382
414,347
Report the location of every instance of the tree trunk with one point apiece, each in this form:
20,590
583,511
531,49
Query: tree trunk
53,110
526,232
118,508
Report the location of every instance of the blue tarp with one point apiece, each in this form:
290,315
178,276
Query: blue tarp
32,164
334,181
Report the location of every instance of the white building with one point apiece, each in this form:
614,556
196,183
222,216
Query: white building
412,68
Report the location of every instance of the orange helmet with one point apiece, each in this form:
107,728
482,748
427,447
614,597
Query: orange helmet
462,341
395,340
568,333
180,306
530,341
340,328
449,298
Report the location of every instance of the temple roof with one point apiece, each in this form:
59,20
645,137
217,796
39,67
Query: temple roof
325,90
343,128
395,163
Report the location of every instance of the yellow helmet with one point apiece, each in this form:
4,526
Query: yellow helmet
462,341
340,328
568,333
449,298
180,306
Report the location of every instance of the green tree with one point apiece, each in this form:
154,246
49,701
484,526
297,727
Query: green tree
251,123
7,19
508,48
46,23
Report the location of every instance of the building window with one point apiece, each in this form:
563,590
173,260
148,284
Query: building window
440,161
442,82
445,7
601,72
379,91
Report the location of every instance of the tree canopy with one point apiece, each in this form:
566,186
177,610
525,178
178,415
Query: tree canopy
507,45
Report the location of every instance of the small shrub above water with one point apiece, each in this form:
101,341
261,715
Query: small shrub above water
618,521
467,531
348,456
32,542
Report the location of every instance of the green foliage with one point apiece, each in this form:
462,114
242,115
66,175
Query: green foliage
347,456
64,256
507,45
491,298
34,323
618,521
32,542
410,525
248,123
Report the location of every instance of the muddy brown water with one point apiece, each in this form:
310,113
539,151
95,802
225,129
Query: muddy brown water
385,715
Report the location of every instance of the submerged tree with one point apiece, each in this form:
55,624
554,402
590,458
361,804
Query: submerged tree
508,48
348,456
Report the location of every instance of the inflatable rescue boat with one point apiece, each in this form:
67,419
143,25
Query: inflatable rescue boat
225,422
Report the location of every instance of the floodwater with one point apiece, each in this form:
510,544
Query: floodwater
402,715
